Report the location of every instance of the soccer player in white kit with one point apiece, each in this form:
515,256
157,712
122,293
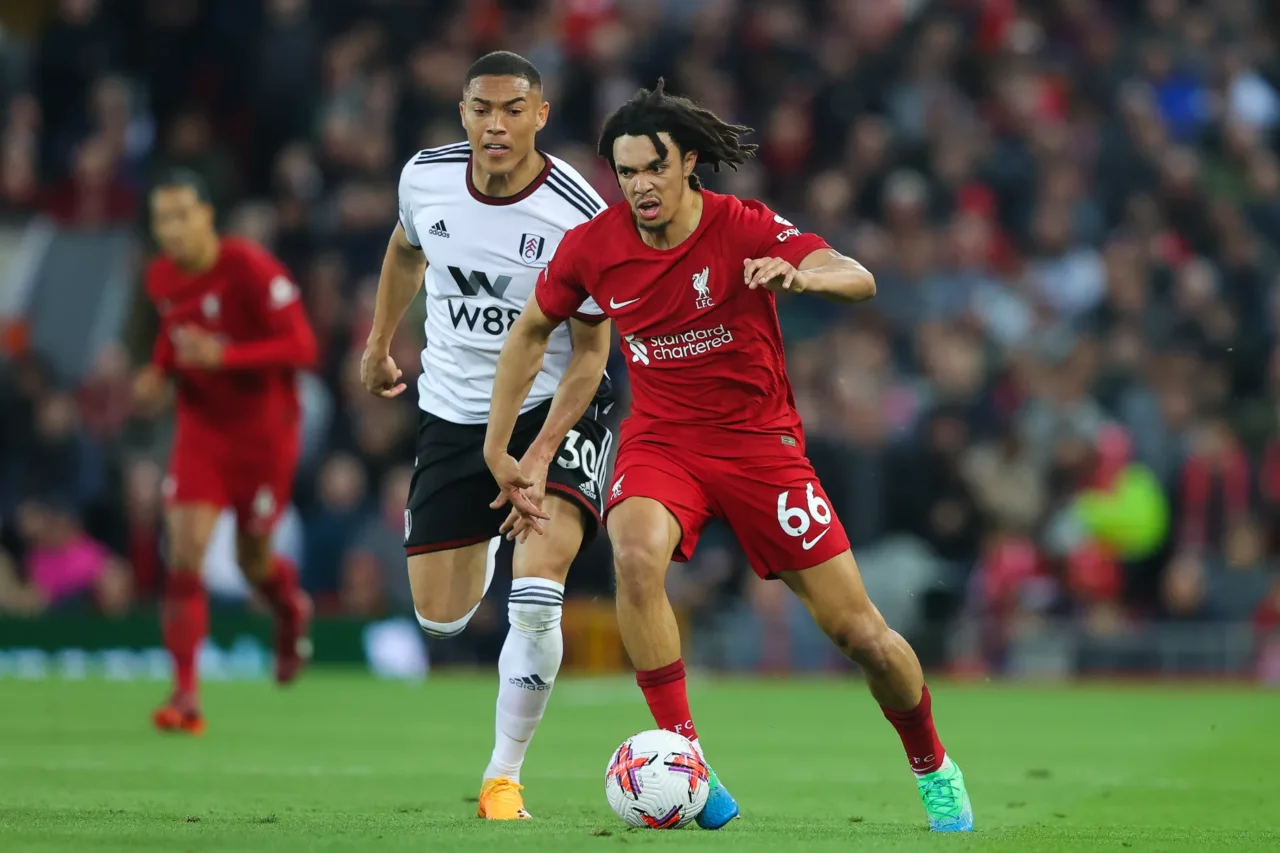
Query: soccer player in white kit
480,220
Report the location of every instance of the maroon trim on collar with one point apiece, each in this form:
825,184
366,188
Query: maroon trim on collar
510,199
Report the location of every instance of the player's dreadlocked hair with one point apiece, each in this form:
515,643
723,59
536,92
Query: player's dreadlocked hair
693,128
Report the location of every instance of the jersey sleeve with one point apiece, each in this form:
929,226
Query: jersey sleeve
589,312
274,298
560,291
406,209
771,236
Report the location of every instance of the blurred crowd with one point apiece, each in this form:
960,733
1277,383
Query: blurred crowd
1061,403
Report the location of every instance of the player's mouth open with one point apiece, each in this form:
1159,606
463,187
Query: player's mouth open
648,209
496,150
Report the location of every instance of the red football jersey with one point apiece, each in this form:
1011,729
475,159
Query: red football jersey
704,352
249,300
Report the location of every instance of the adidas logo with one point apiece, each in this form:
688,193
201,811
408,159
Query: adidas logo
589,489
530,682
438,230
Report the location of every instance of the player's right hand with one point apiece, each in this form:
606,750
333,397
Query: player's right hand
379,374
512,484
148,391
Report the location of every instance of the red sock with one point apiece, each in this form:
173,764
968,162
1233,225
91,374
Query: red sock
281,586
664,690
185,623
919,737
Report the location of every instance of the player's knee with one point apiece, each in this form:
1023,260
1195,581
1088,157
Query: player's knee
639,563
440,619
186,554
254,555
864,638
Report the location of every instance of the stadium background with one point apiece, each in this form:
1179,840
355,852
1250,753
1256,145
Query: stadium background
1051,437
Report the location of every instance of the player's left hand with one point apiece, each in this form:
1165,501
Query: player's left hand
512,483
196,347
772,274
535,467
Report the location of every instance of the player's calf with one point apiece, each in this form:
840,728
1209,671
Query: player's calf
834,594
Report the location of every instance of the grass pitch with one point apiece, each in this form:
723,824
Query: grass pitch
342,762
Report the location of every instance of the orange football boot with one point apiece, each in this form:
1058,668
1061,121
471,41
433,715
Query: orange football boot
500,800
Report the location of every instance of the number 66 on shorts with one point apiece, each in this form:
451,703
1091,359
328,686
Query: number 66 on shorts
767,493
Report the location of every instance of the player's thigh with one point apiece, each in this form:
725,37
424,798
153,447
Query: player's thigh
550,554
776,506
195,492
646,536
260,491
260,487
447,584
580,468
450,531
657,509
574,499
188,529
450,491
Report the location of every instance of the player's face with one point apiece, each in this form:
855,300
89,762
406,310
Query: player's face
182,223
502,115
654,185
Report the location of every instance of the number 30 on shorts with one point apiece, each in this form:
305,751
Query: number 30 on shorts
795,520
580,452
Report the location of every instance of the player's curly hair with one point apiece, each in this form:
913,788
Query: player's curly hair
691,127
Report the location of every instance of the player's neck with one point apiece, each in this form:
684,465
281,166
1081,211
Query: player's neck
681,226
205,259
512,183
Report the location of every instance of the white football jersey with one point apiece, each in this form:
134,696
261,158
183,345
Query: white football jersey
483,259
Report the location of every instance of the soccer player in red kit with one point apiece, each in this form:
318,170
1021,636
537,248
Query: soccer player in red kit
690,278
233,336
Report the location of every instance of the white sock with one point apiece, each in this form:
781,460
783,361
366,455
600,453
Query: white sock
527,671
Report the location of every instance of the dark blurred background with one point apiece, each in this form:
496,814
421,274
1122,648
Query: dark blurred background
1052,436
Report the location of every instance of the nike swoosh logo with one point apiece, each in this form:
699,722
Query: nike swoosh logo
616,305
809,543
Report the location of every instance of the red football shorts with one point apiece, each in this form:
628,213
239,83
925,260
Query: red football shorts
767,493
257,487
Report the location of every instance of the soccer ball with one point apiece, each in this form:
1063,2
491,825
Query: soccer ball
657,780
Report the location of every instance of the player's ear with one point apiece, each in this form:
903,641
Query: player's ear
690,160
544,111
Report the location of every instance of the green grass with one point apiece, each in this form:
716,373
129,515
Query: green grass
345,763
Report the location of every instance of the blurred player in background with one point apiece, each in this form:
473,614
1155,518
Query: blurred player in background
233,336
480,219
690,278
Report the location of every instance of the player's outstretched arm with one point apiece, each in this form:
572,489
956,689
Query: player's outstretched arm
824,272
577,387
403,267
518,367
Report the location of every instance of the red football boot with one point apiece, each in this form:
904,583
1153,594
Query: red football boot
180,714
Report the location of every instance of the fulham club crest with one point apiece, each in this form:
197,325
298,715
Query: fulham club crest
531,246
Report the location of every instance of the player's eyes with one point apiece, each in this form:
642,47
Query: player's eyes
516,112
